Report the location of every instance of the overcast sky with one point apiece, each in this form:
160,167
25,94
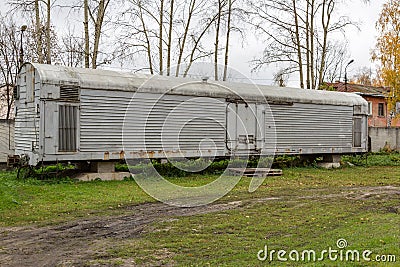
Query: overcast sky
361,41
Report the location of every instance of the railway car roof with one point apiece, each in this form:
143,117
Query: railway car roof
128,81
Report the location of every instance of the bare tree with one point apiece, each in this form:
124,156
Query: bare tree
365,76
281,78
336,57
72,52
9,64
182,40
43,31
185,24
196,52
298,34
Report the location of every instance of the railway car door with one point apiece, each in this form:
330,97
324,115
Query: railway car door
244,128
49,120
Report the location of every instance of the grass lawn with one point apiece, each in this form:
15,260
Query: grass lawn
306,208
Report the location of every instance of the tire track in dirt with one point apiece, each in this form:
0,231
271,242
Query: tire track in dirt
69,244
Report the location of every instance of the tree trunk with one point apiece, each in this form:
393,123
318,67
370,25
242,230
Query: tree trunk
327,9
228,32
196,44
171,18
308,50
312,18
217,40
38,30
97,30
185,34
298,45
148,45
160,43
86,29
48,33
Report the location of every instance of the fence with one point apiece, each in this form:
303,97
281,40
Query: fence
384,138
6,139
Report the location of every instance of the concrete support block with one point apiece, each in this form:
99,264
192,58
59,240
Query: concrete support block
330,161
115,176
332,158
102,167
329,165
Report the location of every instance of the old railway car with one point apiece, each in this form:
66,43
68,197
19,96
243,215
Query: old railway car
73,114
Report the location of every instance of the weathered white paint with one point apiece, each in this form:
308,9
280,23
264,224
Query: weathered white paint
135,116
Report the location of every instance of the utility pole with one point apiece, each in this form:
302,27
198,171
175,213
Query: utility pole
21,51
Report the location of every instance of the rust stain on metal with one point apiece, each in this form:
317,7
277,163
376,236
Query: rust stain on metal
106,155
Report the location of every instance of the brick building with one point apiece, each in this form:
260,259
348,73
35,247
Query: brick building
380,115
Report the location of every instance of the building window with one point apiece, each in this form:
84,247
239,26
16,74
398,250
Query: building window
369,108
67,129
397,107
357,127
381,110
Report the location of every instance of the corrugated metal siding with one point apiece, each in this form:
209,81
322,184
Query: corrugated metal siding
26,129
151,123
27,120
304,126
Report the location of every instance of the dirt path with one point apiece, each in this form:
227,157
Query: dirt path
74,243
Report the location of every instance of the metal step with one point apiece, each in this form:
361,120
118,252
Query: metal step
255,172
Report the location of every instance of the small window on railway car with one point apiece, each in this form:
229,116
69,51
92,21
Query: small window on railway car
67,128
357,109
357,132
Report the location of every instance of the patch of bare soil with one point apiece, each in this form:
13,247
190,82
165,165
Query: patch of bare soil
75,243
70,244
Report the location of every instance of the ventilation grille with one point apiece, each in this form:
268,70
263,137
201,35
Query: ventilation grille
67,129
69,93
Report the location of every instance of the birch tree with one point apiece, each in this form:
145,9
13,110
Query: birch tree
97,14
167,33
86,32
220,6
228,35
298,34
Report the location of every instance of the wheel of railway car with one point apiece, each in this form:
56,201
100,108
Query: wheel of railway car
24,172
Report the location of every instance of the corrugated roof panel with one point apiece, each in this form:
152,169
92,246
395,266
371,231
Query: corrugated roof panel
126,81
